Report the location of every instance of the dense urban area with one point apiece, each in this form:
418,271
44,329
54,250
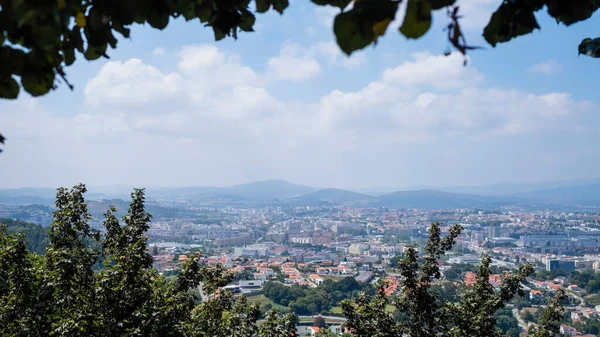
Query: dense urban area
305,259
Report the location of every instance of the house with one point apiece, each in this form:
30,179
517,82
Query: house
535,295
470,278
568,330
313,330
316,279
260,276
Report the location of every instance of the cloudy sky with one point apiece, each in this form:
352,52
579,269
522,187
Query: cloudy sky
174,108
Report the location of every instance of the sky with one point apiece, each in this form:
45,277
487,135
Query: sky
176,108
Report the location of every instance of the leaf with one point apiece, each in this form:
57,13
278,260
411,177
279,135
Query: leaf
9,88
204,11
572,11
280,5
247,21
121,29
417,19
94,52
510,20
438,4
350,37
379,28
69,56
590,47
158,20
36,83
336,3
80,20
262,5
363,24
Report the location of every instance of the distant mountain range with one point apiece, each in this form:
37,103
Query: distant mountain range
557,195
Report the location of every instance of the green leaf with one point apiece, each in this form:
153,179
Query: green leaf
417,19
12,60
336,3
94,52
572,11
349,34
438,4
121,29
512,19
204,11
263,5
36,83
590,47
69,56
361,25
247,21
9,88
280,5
219,35
158,20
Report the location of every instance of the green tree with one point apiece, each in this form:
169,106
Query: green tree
551,317
422,307
61,294
474,314
319,321
36,236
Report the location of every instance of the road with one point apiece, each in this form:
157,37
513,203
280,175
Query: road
522,324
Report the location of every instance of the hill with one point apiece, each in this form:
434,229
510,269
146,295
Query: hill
268,190
581,196
439,200
332,196
36,236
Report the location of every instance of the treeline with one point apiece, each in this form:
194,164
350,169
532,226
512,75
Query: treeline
36,236
303,300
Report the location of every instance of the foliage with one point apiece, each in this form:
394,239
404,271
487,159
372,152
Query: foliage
319,321
60,294
310,301
39,39
551,317
36,236
422,311
474,314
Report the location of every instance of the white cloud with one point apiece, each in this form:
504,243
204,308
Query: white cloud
476,13
159,51
331,52
131,83
293,64
214,120
545,68
442,72
326,14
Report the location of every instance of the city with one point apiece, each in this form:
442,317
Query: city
267,245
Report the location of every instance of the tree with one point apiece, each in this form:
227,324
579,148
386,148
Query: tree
474,314
424,312
319,321
36,236
551,317
62,293
422,308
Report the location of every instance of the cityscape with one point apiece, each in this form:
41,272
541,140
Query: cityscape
269,243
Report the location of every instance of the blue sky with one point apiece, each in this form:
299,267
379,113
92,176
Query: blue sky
174,108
